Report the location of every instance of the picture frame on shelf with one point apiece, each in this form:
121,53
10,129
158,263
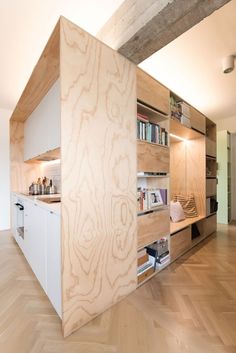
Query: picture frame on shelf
155,198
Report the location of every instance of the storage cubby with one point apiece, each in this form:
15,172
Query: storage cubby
211,167
152,259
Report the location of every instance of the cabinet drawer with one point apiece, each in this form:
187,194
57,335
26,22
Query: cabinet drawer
210,187
198,120
210,147
153,226
152,158
145,275
152,92
210,225
180,242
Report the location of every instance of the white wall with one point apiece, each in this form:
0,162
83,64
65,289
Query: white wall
4,170
227,124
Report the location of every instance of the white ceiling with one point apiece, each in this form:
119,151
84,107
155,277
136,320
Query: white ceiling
25,27
191,65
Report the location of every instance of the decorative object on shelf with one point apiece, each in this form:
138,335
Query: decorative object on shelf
150,198
176,212
188,203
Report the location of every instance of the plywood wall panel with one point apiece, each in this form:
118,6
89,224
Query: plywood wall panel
98,160
22,174
178,168
196,172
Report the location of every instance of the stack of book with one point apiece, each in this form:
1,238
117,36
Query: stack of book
163,259
146,264
150,198
160,251
151,132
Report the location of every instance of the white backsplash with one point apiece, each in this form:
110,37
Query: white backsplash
53,171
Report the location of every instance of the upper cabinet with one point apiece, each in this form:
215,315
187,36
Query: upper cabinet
152,93
42,128
198,120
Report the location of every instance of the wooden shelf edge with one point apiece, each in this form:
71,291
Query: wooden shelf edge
152,143
175,227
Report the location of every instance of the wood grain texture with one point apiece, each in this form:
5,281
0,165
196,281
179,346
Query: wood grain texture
152,92
47,156
175,227
196,172
45,73
210,187
198,120
210,147
152,157
182,131
152,227
180,242
98,151
21,174
210,225
178,168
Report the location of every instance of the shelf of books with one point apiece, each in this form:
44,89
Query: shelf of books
152,126
152,191
152,259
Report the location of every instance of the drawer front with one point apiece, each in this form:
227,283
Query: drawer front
198,120
210,225
210,187
152,92
152,158
153,226
180,242
145,275
210,148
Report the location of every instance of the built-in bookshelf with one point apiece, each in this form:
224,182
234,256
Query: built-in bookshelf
224,176
152,177
211,169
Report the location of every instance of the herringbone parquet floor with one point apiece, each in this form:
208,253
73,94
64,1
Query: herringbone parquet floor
188,308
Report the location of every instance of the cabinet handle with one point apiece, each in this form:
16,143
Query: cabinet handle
51,212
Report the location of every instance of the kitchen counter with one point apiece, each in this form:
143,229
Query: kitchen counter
53,207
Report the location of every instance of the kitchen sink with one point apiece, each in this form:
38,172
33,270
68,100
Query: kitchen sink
50,199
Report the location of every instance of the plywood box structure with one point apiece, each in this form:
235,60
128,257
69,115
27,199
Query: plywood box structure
103,162
98,167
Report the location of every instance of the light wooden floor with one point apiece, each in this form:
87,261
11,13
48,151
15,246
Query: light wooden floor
188,308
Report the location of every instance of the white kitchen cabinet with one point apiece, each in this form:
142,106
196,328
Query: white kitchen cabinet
54,260
42,128
35,240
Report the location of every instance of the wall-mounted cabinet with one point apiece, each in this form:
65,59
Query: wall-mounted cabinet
42,131
152,93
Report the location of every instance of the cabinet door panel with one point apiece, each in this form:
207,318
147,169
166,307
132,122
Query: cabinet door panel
42,128
54,261
36,242
180,242
152,227
152,158
153,93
